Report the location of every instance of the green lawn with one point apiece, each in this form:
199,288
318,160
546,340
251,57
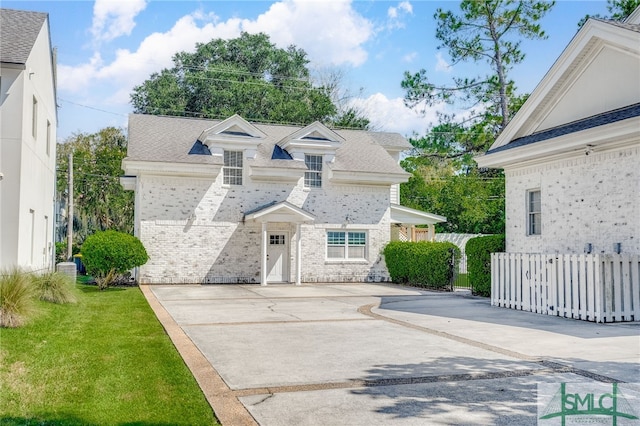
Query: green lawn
462,280
102,361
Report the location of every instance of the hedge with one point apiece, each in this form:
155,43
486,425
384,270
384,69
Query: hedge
110,253
478,252
424,264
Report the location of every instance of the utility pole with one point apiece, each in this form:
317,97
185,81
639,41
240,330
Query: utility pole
70,212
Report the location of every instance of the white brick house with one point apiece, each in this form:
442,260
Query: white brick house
571,153
232,201
571,158
28,121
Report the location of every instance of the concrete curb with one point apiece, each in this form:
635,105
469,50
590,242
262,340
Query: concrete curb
223,401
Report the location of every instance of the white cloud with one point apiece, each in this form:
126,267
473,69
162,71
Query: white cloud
406,6
115,18
391,115
442,64
410,57
332,33
396,13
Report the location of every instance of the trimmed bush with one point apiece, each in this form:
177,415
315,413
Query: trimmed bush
108,255
54,287
424,264
16,298
478,252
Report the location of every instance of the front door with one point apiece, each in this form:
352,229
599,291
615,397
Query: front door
278,257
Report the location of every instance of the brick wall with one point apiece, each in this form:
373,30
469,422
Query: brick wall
193,229
585,199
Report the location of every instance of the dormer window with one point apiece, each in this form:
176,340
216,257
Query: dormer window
313,177
232,170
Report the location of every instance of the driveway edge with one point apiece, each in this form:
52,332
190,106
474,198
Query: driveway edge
222,400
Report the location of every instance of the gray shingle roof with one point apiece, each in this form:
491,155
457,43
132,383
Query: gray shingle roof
19,30
169,139
626,25
576,126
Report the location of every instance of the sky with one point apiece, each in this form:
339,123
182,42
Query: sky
107,47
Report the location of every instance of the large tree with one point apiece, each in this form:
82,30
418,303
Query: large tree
484,31
249,76
618,10
100,202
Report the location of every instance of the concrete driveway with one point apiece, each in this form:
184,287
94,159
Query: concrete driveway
364,354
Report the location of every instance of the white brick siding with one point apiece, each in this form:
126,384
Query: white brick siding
193,229
585,199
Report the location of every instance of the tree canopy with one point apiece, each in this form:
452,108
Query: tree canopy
488,31
100,202
618,10
248,76
445,178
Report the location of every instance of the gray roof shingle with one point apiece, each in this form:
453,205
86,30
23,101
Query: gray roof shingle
576,126
19,30
170,139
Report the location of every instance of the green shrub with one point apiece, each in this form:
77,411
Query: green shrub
108,255
16,298
478,252
54,287
424,264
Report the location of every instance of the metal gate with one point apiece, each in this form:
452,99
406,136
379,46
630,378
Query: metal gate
460,278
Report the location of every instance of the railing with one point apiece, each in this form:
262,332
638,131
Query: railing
592,287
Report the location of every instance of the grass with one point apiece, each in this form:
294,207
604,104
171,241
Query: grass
16,294
54,287
104,360
462,281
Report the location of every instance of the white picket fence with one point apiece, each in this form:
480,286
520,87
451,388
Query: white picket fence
591,287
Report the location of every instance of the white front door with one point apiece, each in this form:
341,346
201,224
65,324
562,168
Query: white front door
278,257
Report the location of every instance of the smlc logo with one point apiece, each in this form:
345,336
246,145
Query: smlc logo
587,403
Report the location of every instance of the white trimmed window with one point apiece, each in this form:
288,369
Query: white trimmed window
232,170
34,118
534,212
346,245
313,177
48,138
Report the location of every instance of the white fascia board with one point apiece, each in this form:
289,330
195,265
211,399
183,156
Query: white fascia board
281,212
409,216
591,37
601,138
367,178
137,168
275,174
128,182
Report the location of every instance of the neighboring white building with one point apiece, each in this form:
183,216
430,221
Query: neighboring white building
233,201
571,157
571,154
28,120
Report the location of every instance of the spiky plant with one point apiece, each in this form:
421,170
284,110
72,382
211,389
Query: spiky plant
16,297
54,287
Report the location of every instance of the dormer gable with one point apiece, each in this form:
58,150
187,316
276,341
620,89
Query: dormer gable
316,139
234,133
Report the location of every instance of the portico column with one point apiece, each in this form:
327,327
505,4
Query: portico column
263,270
298,254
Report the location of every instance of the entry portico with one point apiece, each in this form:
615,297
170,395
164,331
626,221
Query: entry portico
275,252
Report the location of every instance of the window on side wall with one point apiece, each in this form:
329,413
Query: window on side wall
48,138
534,212
34,118
346,245
313,177
232,170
